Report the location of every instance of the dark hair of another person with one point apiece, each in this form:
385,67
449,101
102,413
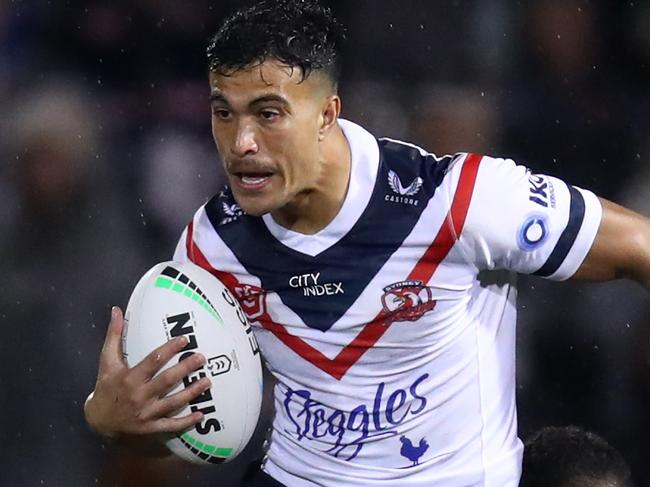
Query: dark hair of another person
571,457
299,33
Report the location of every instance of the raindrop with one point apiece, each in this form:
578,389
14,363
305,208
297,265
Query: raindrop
596,348
482,93
390,26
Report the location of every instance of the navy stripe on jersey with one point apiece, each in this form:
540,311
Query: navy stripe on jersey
343,270
568,237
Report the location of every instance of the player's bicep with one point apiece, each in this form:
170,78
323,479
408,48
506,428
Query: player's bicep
528,223
621,248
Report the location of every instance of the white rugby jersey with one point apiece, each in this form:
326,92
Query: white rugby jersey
392,342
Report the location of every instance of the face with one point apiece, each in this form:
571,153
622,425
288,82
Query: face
268,125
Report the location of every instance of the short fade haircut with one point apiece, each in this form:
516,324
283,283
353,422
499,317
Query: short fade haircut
572,457
298,33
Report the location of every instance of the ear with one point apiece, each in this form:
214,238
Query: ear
329,115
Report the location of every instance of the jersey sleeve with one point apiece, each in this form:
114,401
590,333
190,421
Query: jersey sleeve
528,223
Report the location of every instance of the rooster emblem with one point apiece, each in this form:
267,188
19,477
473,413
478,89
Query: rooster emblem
411,452
396,184
407,301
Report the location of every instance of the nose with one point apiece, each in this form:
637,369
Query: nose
245,141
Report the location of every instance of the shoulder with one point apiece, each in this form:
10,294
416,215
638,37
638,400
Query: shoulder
405,161
398,151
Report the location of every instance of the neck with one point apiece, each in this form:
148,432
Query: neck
312,210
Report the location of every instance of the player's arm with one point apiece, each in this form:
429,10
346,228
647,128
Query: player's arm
130,405
621,248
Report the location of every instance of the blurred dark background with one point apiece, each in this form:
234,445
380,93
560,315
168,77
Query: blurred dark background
106,152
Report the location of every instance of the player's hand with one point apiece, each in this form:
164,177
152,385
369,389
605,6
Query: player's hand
132,401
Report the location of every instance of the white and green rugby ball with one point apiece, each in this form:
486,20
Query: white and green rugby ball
174,299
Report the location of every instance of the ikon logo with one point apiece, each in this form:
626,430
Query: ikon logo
219,365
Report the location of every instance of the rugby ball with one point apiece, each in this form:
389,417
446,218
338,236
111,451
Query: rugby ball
174,299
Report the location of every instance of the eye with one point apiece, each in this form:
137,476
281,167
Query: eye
221,113
269,115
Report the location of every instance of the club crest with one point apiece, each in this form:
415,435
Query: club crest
407,301
252,300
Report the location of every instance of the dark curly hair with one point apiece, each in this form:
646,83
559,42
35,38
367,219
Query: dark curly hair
572,457
299,33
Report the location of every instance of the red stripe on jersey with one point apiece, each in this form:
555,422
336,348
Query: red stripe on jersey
453,224
295,343
337,367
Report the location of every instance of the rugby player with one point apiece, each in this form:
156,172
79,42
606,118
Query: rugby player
378,276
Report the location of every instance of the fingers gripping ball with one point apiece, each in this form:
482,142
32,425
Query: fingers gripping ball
173,300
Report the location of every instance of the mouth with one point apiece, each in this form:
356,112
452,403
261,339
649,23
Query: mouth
252,181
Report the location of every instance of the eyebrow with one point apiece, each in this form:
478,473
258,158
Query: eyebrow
217,96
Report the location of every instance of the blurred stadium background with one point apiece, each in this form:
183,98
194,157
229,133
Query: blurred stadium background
106,152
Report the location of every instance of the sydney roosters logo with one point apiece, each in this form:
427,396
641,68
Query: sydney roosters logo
406,301
251,299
